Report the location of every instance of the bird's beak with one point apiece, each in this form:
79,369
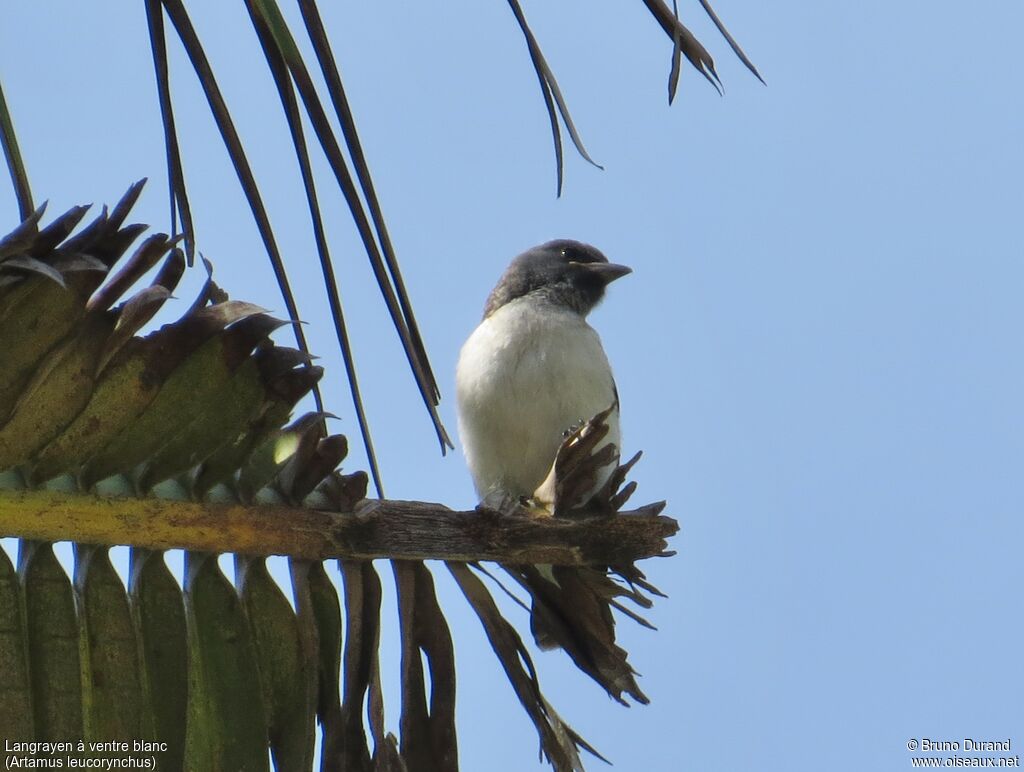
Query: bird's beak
608,272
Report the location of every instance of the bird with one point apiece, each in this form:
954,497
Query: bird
530,376
534,370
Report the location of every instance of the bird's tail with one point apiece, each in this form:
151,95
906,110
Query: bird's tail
571,609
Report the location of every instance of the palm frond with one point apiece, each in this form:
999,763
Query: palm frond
196,411
552,95
15,163
282,80
227,708
684,43
696,54
158,615
98,400
204,72
382,259
729,39
559,742
336,91
50,643
180,207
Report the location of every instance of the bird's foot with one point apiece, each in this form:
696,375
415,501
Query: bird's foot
510,504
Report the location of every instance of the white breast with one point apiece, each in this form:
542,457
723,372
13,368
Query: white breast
528,373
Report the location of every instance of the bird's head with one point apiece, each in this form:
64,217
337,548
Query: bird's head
565,272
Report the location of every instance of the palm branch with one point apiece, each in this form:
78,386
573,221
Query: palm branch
195,416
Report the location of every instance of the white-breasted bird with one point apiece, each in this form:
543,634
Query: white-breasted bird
534,369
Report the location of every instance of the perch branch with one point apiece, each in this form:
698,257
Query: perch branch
398,530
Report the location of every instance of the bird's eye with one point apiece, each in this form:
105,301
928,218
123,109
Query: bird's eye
576,256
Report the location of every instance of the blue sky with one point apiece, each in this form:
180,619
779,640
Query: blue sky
818,351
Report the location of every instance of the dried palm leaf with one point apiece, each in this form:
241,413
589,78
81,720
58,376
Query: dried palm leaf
196,411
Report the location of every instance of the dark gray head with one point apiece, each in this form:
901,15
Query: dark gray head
564,272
